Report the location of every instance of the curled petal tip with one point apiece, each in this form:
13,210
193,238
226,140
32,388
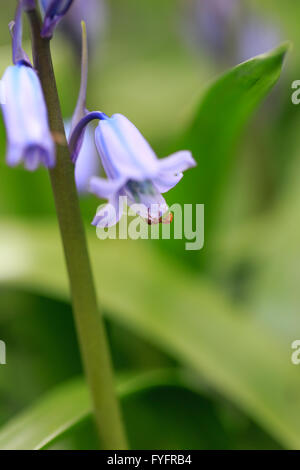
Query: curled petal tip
177,162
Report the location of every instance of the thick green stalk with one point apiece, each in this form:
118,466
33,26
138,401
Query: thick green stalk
89,322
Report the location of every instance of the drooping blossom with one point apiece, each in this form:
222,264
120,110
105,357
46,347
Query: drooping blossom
134,171
131,166
29,139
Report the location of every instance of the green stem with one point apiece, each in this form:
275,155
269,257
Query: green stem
89,323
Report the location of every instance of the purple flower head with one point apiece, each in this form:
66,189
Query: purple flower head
26,120
131,166
134,171
55,10
24,109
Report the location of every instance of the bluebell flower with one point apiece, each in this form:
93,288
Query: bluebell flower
25,114
54,10
131,166
134,171
26,120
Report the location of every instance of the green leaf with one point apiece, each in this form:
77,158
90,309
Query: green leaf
42,346
224,109
175,417
61,411
43,423
268,247
186,317
274,291
167,412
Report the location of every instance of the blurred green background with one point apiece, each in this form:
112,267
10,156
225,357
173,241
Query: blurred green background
201,341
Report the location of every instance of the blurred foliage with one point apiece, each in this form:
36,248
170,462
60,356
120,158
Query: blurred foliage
219,335
185,317
62,419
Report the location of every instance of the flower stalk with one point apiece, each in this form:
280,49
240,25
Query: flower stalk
89,323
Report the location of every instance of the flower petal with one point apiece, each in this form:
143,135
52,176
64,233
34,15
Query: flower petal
124,151
25,116
149,204
165,182
87,163
177,162
109,214
14,154
105,188
34,156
